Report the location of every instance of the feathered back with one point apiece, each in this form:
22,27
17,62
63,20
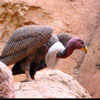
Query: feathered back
24,41
64,38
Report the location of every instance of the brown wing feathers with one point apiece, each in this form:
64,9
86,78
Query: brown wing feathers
24,40
24,37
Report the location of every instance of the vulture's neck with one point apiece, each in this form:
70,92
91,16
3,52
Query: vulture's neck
67,52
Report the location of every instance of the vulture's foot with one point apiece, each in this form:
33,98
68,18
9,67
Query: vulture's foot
26,80
32,76
28,77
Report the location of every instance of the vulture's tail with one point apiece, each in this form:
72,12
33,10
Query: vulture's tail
1,60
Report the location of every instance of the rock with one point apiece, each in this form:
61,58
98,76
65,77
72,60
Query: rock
88,74
6,82
78,17
51,84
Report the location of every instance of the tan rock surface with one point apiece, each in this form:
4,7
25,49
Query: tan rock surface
88,74
78,17
51,84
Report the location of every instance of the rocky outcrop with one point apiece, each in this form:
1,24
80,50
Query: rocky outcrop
48,84
78,17
6,82
51,84
88,74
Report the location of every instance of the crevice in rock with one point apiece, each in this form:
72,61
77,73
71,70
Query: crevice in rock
88,43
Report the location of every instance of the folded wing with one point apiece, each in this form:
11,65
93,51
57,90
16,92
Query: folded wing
24,41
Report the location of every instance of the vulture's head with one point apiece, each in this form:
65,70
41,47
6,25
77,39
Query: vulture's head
58,50
76,43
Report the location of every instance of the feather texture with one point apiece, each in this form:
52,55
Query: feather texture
24,41
26,37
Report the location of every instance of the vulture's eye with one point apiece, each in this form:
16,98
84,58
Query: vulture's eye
81,42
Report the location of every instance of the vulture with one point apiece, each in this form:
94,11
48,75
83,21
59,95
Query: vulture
31,48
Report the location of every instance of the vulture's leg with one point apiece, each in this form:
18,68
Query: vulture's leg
26,67
26,64
34,68
28,78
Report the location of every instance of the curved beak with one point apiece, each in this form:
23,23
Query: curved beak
84,49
